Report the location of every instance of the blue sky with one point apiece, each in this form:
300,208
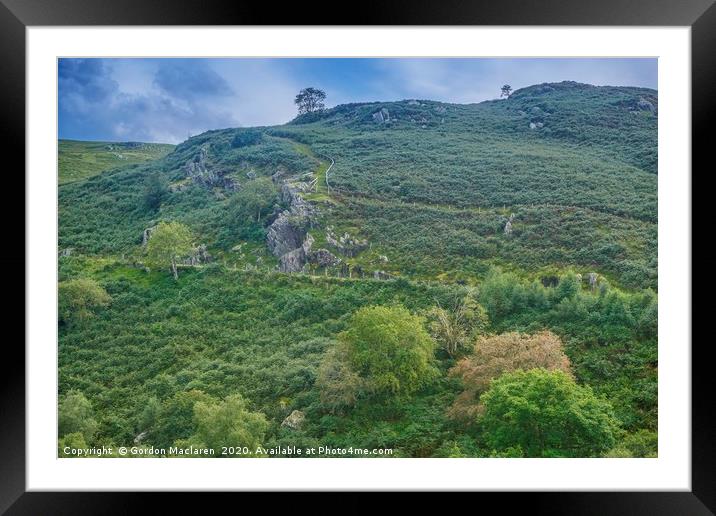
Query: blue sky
165,100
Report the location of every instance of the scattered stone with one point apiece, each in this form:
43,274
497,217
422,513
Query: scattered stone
383,258
66,252
140,437
251,174
533,125
198,256
508,228
381,275
592,278
294,420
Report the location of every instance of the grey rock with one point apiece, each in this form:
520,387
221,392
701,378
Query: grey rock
66,252
146,234
508,228
533,125
645,105
324,258
199,255
139,438
381,275
592,278
294,420
251,174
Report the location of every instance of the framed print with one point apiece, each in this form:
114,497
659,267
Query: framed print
445,250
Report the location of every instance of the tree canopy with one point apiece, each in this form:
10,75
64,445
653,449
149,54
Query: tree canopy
310,100
495,355
170,241
78,299
390,349
540,413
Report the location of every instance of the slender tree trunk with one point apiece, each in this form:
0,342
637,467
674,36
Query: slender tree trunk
174,270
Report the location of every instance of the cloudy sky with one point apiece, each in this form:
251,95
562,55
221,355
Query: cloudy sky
165,100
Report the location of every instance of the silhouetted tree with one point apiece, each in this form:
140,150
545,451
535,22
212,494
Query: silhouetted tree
310,100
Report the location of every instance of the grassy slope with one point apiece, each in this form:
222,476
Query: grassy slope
434,200
79,160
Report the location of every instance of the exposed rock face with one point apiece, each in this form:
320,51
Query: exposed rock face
381,116
294,420
146,234
140,437
295,260
287,236
200,170
251,174
66,252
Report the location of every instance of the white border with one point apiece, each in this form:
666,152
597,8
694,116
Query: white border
671,471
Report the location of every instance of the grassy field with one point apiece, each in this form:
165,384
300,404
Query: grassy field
80,160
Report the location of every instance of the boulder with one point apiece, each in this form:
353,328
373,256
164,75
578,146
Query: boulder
645,105
508,228
294,420
324,258
592,278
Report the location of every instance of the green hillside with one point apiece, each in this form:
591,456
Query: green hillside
80,160
540,208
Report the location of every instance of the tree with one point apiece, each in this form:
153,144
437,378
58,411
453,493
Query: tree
256,197
155,190
506,91
310,100
76,416
456,326
546,414
228,423
338,384
169,242
495,355
79,298
175,420
389,349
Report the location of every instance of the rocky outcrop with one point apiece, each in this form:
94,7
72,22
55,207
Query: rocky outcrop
346,244
201,171
146,234
381,275
294,420
381,116
324,258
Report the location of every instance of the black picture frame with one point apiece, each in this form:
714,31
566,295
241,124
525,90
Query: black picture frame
16,15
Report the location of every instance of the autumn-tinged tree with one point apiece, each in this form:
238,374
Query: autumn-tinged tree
498,354
169,242
309,100
546,414
456,325
79,298
338,384
389,349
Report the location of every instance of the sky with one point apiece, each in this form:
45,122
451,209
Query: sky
167,100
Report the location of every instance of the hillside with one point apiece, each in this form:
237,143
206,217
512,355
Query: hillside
80,160
542,206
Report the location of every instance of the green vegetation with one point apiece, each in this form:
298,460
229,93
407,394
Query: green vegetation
495,295
81,160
